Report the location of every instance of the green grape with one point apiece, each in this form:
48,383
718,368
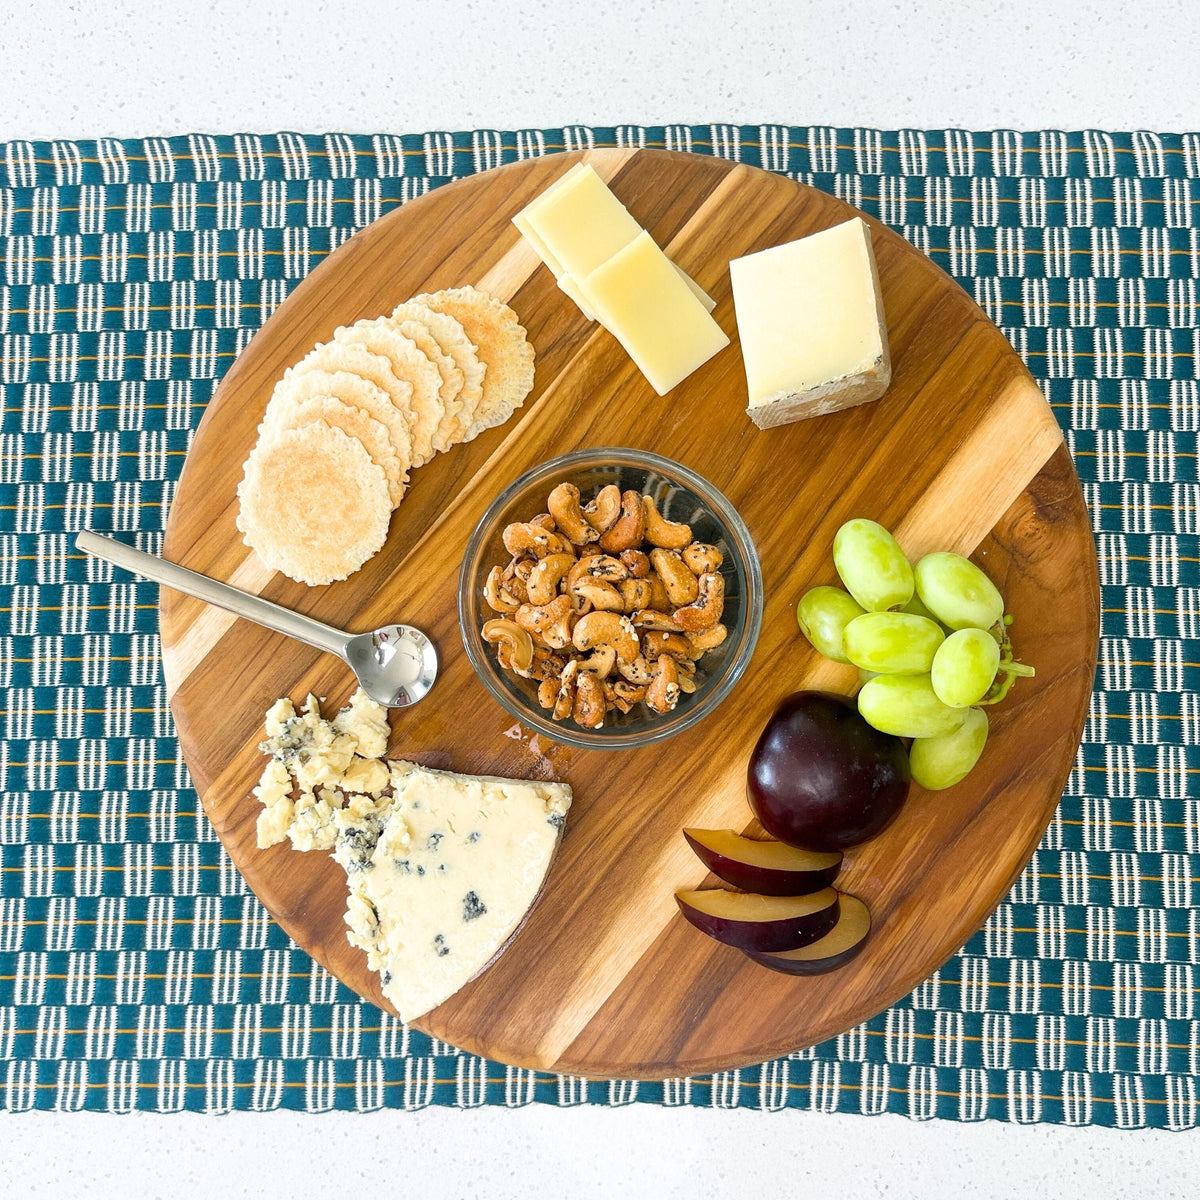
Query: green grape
941,761
905,706
917,609
957,592
872,565
964,666
893,643
824,613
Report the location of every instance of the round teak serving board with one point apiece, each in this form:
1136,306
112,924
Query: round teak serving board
963,453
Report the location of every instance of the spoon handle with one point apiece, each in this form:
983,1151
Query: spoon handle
192,583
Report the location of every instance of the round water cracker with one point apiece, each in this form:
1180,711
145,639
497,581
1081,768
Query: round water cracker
350,388
452,380
312,504
453,340
502,346
338,414
382,336
335,358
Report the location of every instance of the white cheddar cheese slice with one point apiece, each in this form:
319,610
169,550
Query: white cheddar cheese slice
443,874
811,322
643,302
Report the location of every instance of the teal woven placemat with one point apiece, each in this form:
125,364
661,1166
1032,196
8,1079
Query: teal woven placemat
138,972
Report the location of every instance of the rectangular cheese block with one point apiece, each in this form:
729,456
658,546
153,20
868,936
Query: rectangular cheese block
577,224
811,322
641,300
442,874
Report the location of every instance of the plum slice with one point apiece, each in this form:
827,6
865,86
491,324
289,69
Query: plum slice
771,868
838,946
761,924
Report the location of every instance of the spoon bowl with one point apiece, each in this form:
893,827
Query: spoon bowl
396,664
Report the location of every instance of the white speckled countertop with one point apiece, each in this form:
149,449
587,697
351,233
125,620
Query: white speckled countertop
130,69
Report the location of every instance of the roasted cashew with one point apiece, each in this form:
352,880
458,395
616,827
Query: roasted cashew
635,594
547,692
588,709
511,641
537,618
630,529
606,629
701,557
563,504
674,535
663,693
687,683
499,598
604,566
658,593
637,672
546,664
602,661
545,576
655,644
602,596
652,619
601,513
558,635
526,537
546,521
636,562
707,609
707,639
680,583
624,695
565,700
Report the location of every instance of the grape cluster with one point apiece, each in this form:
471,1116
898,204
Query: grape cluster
930,641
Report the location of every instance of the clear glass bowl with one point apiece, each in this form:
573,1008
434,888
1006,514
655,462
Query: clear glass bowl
681,495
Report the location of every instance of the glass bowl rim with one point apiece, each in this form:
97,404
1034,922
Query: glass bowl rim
737,535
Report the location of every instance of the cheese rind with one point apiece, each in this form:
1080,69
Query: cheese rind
812,326
641,299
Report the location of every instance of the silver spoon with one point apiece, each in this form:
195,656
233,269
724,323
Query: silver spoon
396,664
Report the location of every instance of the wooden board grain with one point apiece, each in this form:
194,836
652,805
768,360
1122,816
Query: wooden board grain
963,453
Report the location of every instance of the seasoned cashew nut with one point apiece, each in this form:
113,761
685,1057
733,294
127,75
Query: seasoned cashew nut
600,595
701,557
707,639
658,593
674,535
546,664
565,700
635,594
602,512
558,635
623,695
606,629
499,598
709,605
589,706
546,521
545,577
537,618
510,640
636,562
526,537
677,579
655,644
652,619
547,692
687,683
604,566
637,672
630,529
663,693
602,661
564,508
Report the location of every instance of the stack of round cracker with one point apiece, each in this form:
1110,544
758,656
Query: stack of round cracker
346,424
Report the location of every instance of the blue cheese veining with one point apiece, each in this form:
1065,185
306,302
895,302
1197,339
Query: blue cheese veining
442,868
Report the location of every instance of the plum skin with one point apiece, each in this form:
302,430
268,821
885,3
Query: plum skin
821,778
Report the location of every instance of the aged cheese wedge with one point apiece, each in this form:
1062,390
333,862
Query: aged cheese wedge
641,299
577,224
441,878
811,321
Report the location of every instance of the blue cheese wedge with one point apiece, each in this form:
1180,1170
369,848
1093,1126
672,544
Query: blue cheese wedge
442,868
456,865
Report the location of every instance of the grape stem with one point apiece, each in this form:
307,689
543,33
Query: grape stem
1009,669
